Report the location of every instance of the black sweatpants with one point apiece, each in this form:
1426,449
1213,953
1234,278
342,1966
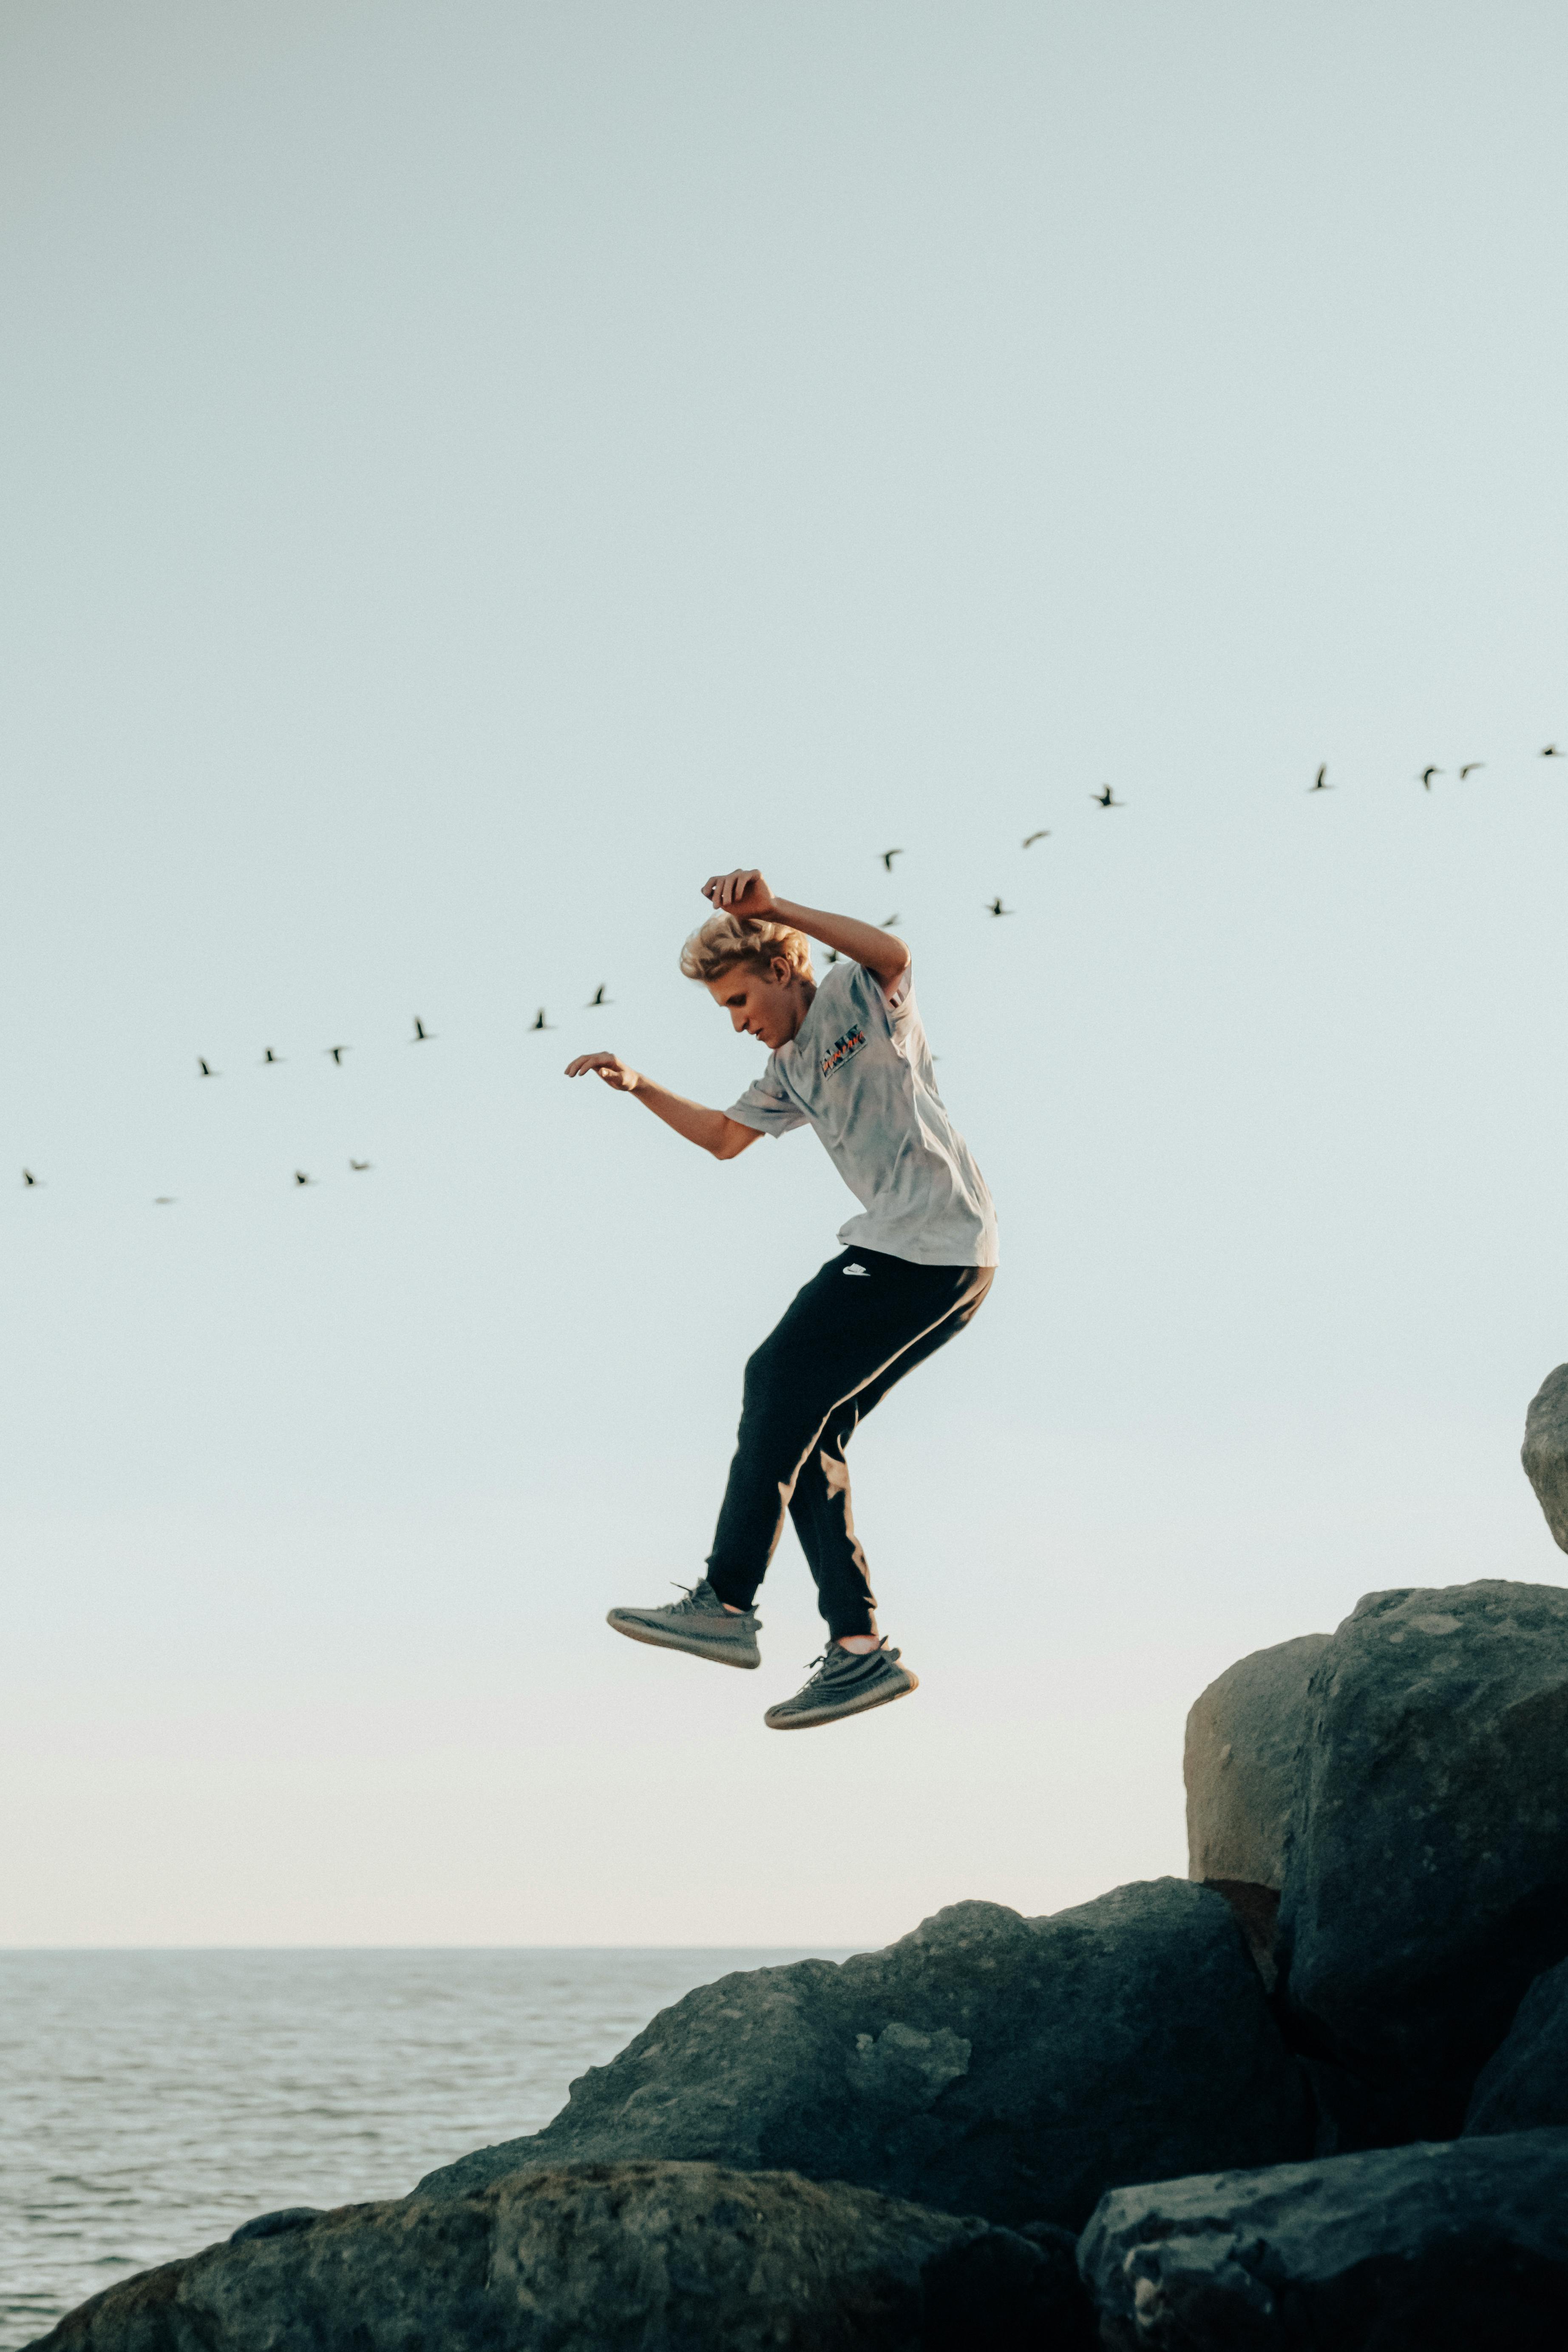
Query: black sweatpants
842,1342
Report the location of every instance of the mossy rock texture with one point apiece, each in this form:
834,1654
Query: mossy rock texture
579,2257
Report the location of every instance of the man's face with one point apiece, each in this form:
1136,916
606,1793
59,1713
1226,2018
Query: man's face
767,1004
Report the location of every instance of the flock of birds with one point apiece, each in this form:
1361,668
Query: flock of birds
271,1059
1105,798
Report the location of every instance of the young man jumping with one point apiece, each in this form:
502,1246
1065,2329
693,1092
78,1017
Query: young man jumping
849,1057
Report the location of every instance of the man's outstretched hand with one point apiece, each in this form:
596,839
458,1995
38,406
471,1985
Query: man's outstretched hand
609,1066
742,893
715,1131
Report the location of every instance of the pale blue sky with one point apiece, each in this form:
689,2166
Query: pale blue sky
470,470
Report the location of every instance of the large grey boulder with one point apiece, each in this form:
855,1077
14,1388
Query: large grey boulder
986,2064
1433,2248
1240,1763
1244,1738
630,2258
1426,1875
1525,2083
1545,1451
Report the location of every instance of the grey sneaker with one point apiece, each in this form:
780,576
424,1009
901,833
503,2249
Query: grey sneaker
700,1623
845,1683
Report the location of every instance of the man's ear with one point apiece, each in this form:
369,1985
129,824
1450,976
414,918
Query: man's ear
782,971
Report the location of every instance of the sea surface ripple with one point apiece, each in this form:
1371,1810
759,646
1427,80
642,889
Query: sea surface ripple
150,2102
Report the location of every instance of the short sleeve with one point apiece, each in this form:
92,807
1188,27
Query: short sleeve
892,1008
766,1106
899,999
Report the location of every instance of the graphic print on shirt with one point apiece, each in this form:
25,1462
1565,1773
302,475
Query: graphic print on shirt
859,1071
840,1051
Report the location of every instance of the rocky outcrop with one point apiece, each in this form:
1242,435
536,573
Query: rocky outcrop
1545,1452
600,2258
1445,2247
1240,1763
1426,1872
779,2158
987,2063
1525,2083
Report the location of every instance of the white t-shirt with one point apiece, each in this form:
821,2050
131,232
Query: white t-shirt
858,1070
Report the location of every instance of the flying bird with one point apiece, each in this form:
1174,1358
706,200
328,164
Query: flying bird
300,1177
164,1201
422,1035
270,1056
833,956
888,856
27,1176
206,1069
1323,784
1470,768
995,907
1043,834
888,921
598,998
359,1166
1550,751
541,1023
1108,799
337,1052
1427,775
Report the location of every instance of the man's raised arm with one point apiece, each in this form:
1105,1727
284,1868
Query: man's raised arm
744,893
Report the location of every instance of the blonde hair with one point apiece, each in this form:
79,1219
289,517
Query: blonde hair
725,940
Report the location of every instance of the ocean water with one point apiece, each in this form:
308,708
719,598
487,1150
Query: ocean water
150,2102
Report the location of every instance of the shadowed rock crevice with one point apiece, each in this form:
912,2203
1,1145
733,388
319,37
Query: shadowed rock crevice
1257,1914
1525,2082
